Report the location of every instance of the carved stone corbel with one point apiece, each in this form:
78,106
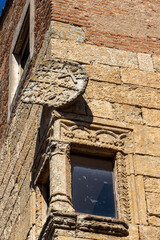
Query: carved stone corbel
55,83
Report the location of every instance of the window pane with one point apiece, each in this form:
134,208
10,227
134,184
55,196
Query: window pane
92,188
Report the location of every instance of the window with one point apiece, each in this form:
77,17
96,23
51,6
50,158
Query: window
93,185
87,163
21,53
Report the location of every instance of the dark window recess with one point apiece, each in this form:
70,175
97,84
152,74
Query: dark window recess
44,188
21,51
44,185
24,54
92,185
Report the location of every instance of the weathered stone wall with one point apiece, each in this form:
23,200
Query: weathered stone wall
122,95
16,161
123,91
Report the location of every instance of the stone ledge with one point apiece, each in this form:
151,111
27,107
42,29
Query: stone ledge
83,222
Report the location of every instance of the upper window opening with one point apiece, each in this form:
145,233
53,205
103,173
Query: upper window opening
21,51
93,185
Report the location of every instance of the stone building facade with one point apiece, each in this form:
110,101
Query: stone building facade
79,79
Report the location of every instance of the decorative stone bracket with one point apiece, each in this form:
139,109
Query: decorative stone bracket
55,83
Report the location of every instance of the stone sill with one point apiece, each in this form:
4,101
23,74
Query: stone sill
83,222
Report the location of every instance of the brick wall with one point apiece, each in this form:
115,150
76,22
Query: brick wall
128,25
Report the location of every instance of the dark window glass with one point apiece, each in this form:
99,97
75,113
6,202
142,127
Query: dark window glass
24,54
21,51
92,186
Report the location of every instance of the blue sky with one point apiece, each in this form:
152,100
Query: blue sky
2,3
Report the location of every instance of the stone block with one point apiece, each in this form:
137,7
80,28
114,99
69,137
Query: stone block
100,108
90,236
153,203
133,199
152,184
133,233
129,164
62,232
141,78
127,113
9,212
87,53
18,125
25,221
25,191
156,62
147,165
140,193
12,220
149,233
65,31
151,117
14,232
65,238
131,95
104,73
5,191
145,62
147,140
27,154
4,162
154,220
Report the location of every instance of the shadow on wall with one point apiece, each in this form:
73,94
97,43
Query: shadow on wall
77,110
81,108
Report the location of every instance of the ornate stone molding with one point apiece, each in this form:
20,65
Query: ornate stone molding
122,187
58,147
94,135
55,83
86,223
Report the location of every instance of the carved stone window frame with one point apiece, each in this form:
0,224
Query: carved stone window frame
65,136
14,82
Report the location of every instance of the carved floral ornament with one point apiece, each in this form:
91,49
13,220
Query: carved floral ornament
96,135
56,83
